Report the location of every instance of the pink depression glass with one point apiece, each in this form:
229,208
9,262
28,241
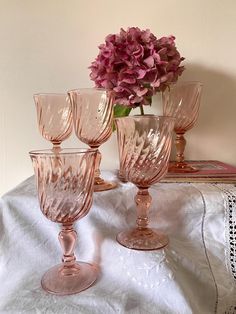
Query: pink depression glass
145,143
93,117
65,186
182,101
54,117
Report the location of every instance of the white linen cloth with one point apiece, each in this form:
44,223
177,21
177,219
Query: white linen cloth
193,274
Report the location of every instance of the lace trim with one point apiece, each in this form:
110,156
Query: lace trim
231,310
205,248
230,228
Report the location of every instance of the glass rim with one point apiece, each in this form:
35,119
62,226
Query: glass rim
89,89
146,116
50,94
62,151
185,83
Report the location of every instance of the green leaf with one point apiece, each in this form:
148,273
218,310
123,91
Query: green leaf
120,111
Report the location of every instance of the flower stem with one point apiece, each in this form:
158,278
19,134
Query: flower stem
141,109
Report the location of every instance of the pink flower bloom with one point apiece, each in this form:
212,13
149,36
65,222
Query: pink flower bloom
136,65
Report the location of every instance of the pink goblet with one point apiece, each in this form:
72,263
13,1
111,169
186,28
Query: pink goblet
182,102
65,186
93,117
146,145
54,117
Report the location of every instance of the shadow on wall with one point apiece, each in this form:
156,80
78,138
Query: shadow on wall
216,125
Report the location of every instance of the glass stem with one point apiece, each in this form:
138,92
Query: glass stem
141,109
180,144
143,201
97,174
56,146
67,238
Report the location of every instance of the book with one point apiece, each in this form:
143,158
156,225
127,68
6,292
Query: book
208,171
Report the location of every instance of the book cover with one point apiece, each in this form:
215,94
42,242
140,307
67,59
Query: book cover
208,171
207,168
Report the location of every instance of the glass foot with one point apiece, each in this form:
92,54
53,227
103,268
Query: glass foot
102,185
142,239
181,167
122,177
64,281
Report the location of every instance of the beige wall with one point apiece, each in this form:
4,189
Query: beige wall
46,46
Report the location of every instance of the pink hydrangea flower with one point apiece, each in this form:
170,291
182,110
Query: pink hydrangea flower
136,65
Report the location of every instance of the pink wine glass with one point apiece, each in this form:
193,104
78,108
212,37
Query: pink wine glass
146,145
54,117
65,186
93,117
182,101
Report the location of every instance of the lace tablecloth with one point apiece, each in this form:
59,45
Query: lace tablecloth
196,273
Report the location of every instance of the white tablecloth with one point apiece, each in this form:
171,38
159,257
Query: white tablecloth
194,274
